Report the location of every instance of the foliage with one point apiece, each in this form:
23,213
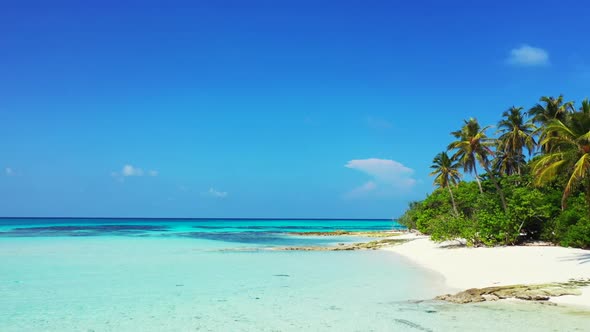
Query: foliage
516,134
572,227
446,172
545,197
471,147
473,144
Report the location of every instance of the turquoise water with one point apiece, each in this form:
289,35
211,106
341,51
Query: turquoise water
227,233
117,275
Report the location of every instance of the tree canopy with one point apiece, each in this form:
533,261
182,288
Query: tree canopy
533,182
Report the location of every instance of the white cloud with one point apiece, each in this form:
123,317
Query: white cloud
386,175
9,171
526,55
385,170
216,193
130,170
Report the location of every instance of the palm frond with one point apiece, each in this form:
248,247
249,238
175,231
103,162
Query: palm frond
581,169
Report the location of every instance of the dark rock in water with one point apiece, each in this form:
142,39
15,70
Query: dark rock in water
540,292
468,296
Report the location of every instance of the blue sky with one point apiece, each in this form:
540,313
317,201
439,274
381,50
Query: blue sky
261,108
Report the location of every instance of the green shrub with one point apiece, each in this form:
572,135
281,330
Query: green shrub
494,227
533,214
572,227
449,227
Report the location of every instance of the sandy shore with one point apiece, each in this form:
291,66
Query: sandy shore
465,268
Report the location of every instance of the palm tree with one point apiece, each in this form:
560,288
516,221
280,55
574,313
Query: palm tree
550,109
506,163
472,146
553,109
447,174
570,152
516,134
466,145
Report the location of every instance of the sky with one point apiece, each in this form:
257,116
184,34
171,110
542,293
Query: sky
292,109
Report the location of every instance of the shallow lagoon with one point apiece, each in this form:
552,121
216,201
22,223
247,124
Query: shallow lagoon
164,282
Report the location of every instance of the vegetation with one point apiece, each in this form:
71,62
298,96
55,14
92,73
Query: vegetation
533,182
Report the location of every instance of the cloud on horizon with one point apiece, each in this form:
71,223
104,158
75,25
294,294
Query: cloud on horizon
386,174
528,56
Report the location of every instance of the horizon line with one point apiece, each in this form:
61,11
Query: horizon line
195,218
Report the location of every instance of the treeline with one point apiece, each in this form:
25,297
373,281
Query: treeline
531,180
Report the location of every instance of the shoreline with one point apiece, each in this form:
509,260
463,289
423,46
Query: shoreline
465,268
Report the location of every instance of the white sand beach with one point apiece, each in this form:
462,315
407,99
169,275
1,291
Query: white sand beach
465,268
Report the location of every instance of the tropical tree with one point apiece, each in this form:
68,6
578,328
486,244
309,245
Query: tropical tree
549,109
466,147
516,134
447,174
569,154
471,147
508,163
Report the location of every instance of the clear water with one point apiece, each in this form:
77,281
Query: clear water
96,277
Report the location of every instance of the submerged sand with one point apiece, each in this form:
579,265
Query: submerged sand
464,268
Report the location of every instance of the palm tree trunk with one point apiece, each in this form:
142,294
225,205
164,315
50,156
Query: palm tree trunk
453,201
477,179
497,185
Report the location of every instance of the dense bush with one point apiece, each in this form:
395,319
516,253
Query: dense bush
533,214
572,227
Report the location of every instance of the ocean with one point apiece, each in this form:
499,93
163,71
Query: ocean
219,275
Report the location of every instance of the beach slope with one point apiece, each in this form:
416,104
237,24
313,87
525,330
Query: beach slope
465,268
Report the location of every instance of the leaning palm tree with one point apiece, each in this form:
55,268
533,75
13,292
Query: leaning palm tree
516,135
471,147
570,153
447,174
